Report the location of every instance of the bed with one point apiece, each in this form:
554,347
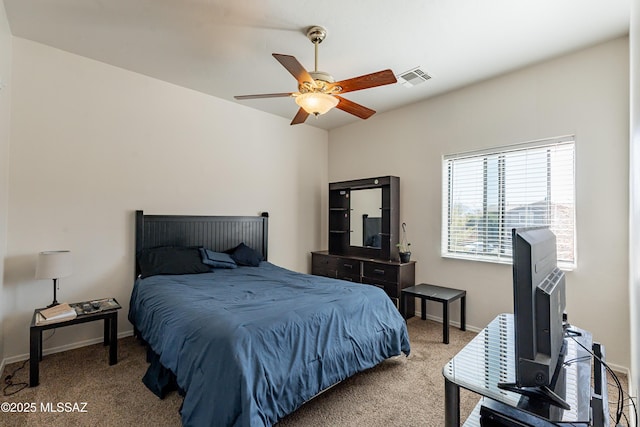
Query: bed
251,344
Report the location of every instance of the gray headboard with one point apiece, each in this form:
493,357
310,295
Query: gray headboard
218,233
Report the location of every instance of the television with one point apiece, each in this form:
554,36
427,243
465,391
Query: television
539,304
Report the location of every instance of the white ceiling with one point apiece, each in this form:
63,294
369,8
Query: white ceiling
224,47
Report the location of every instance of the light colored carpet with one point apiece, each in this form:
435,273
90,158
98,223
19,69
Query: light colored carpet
403,391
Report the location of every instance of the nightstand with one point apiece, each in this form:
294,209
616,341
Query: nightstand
110,317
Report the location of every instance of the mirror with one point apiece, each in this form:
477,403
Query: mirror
378,199
366,217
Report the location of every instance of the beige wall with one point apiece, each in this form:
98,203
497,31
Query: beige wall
586,94
5,115
91,143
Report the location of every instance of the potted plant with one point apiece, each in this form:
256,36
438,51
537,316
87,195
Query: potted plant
403,246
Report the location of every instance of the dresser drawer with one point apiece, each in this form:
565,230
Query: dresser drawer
322,265
335,267
380,272
390,288
348,269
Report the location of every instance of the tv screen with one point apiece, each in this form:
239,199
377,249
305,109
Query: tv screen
539,305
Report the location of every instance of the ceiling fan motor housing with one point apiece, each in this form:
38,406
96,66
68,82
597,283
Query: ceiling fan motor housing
321,75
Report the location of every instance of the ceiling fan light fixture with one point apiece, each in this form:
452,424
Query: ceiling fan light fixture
316,103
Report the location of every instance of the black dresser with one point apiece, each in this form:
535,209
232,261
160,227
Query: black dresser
392,276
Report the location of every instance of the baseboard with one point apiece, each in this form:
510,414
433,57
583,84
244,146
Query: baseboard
620,370
59,349
451,322
3,363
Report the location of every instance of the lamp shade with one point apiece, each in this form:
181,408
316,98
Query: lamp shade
316,102
53,265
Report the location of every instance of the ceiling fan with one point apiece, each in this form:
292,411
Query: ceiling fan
317,91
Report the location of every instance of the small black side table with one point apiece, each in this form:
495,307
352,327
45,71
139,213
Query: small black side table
440,294
110,318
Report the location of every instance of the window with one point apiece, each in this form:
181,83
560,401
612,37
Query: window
487,193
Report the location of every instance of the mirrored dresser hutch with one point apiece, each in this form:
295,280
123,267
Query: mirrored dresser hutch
364,230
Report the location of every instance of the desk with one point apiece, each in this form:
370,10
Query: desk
489,359
439,294
110,318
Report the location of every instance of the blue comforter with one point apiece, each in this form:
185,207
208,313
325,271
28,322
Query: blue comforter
252,344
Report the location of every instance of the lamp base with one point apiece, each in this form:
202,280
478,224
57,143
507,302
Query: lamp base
55,300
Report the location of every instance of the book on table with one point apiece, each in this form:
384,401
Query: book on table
57,313
95,306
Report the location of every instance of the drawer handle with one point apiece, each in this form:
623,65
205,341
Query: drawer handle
348,278
348,265
379,271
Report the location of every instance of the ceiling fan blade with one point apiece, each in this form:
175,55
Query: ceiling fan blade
264,95
354,108
300,117
380,78
294,67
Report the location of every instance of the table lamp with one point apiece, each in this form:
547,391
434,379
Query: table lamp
53,265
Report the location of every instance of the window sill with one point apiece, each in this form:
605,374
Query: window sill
564,266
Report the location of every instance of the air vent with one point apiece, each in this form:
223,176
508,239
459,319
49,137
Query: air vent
413,77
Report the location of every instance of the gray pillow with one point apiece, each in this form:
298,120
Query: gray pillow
217,259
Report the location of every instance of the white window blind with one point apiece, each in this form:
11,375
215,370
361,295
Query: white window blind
487,193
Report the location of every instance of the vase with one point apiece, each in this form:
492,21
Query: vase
405,257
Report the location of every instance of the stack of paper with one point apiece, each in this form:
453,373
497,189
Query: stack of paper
57,313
